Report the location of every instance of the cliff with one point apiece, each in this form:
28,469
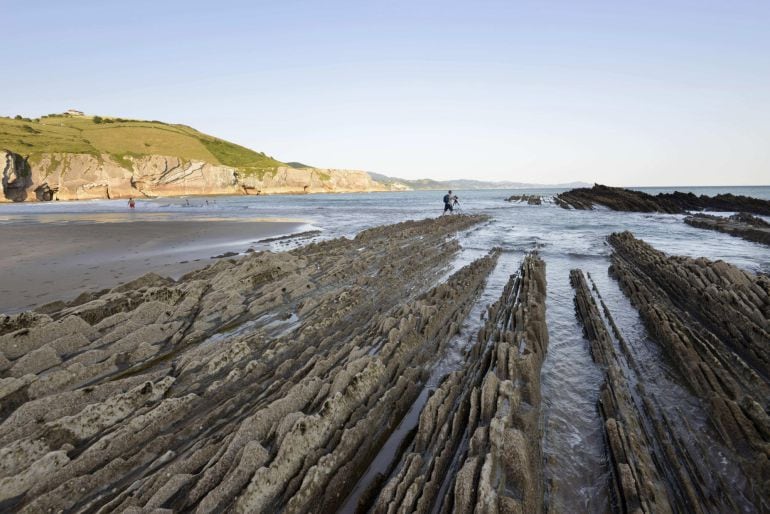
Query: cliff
84,176
60,157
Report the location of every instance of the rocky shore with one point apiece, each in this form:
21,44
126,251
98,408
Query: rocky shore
713,321
477,446
619,199
313,381
254,385
741,225
638,485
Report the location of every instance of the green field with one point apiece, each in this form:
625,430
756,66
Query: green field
120,138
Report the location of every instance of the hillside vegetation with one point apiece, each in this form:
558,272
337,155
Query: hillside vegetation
121,138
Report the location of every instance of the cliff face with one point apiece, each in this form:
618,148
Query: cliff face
65,176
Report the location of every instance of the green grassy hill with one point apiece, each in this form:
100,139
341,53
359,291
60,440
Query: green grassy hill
120,138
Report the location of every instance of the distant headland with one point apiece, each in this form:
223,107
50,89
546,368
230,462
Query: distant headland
75,156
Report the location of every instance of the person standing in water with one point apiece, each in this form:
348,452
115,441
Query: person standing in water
131,202
448,199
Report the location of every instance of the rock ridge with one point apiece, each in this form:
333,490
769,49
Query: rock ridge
477,445
260,384
619,199
713,320
743,225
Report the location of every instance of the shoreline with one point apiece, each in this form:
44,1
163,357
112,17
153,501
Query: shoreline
5,201
340,364
44,262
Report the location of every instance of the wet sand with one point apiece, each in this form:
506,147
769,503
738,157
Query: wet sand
44,262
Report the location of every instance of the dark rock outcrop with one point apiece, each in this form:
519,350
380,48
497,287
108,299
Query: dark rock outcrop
530,199
713,320
16,178
615,198
741,225
44,193
619,199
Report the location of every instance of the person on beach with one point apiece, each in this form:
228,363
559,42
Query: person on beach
131,203
448,202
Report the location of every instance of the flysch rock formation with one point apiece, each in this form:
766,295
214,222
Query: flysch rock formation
529,199
658,461
252,385
742,225
619,199
713,321
85,176
477,445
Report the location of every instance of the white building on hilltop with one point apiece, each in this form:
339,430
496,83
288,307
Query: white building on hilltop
74,112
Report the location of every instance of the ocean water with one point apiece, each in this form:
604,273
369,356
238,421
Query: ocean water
575,464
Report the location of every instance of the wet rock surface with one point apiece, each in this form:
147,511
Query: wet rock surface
529,199
251,385
713,321
309,234
742,225
619,199
655,467
477,445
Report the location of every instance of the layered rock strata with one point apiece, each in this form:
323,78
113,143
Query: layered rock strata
252,385
713,320
746,226
619,199
85,176
529,199
659,463
477,445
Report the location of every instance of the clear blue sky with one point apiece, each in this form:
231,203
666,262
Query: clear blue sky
620,92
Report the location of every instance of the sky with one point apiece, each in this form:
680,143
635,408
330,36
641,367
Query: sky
642,93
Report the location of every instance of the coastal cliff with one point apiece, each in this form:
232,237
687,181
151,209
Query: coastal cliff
63,157
62,176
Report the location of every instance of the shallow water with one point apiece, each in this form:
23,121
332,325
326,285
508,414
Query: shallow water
575,467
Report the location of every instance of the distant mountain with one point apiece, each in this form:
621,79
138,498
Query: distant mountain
427,184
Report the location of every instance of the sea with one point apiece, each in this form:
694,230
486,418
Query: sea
576,471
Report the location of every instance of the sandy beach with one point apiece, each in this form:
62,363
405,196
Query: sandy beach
43,262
